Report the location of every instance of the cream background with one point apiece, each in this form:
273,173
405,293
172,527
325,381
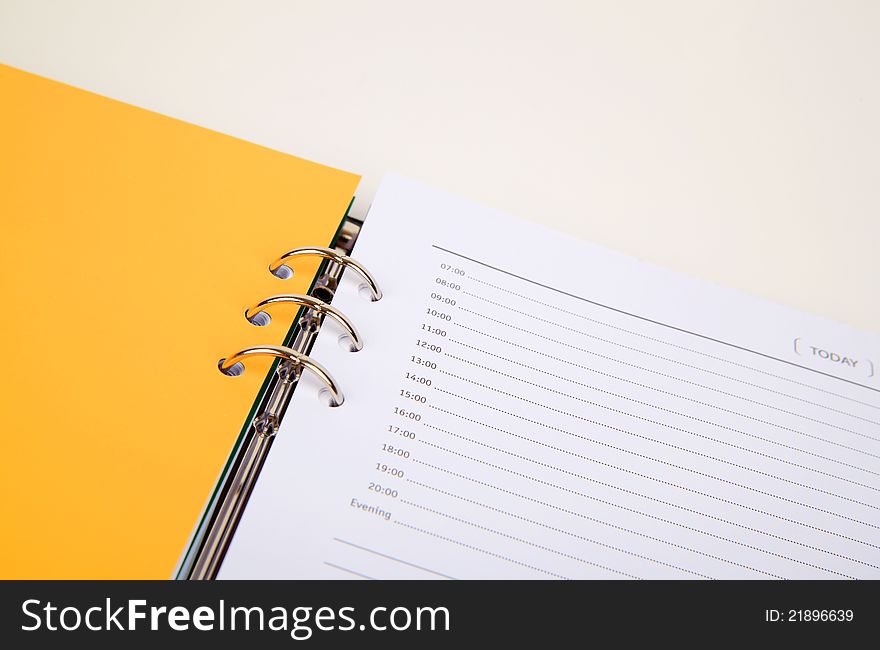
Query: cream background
737,141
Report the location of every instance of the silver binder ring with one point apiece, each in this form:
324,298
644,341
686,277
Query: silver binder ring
226,366
256,313
332,255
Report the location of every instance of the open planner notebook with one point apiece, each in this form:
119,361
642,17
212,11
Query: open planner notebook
528,405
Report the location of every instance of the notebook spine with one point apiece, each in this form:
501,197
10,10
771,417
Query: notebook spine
213,535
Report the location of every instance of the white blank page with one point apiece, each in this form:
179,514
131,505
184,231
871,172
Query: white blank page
528,405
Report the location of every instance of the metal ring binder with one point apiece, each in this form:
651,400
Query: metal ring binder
293,356
311,302
224,509
332,255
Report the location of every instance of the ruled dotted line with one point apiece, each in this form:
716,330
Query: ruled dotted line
662,358
352,572
392,558
673,327
593,520
553,528
477,548
523,541
601,356
650,516
644,496
774,536
686,469
675,428
659,390
644,336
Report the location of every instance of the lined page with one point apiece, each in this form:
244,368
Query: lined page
528,405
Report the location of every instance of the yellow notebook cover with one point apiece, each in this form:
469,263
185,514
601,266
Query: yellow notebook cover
131,245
